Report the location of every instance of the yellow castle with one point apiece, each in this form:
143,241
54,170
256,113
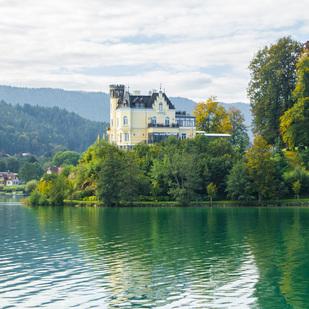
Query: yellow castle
136,118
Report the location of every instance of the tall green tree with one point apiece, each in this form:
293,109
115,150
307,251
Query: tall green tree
177,173
295,121
238,130
273,79
31,171
238,183
133,181
108,182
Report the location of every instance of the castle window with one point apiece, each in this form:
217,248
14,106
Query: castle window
126,137
154,120
167,121
160,107
183,135
112,138
125,121
112,122
117,122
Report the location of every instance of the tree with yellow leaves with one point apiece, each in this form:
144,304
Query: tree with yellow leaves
261,168
295,121
211,117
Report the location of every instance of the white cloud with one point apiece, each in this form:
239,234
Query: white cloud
177,43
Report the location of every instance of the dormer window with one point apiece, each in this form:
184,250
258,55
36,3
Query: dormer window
160,107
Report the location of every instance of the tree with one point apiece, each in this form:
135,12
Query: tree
273,78
108,182
296,188
261,168
31,185
59,189
211,117
31,171
176,174
295,121
133,180
299,173
218,168
211,191
238,129
2,166
63,158
12,165
238,183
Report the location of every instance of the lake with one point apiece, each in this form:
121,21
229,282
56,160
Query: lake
54,257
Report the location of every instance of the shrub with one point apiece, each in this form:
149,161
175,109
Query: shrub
31,185
34,198
299,173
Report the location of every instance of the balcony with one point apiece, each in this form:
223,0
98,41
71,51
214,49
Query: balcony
162,125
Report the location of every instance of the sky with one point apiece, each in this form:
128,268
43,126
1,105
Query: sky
190,48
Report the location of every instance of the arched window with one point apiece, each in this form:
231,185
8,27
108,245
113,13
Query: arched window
125,121
160,107
167,121
154,120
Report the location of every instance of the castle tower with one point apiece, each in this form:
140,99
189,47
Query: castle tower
116,97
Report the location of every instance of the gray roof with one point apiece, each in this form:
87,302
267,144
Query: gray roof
134,100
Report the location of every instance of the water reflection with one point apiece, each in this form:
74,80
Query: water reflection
153,257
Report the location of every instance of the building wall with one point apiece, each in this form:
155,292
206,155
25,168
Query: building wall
138,124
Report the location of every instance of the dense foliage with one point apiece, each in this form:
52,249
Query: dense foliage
37,129
295,121
273,79
198,169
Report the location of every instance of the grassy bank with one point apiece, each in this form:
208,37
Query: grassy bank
267,203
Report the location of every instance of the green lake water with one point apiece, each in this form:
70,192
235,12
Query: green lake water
52,257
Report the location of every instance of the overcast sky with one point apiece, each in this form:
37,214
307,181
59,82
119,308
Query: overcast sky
194,48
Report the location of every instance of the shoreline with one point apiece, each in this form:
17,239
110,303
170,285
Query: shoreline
173,204
191,205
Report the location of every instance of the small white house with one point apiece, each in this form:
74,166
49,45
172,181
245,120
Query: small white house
8,179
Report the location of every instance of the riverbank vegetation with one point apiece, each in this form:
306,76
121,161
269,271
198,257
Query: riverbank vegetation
188,171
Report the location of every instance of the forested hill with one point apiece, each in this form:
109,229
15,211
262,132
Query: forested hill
90,105
36,129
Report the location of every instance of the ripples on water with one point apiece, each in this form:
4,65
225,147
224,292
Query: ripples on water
144,258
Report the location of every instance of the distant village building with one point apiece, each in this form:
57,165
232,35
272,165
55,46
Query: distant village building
54,169
136,118
8,179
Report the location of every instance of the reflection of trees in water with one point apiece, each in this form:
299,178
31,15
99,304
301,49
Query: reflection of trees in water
156,253
164,255
279,242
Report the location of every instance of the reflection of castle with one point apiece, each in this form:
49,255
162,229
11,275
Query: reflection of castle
136,118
